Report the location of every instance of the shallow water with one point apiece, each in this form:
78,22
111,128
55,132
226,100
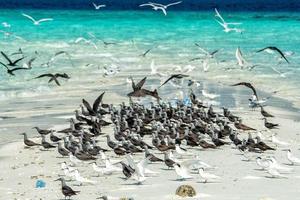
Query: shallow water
35,102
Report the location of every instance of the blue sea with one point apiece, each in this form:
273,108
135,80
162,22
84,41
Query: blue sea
26,101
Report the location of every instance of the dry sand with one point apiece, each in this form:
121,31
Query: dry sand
21,167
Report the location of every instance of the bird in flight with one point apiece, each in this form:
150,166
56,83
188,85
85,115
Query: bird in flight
174,76
157,6
11,71
54,77
36,22
10,62
272,50
225,24
248,85
97,7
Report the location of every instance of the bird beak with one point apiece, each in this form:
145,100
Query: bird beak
57,179
285,149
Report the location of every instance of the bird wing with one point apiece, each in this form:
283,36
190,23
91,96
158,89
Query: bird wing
6,57
248,85
87,105
262,49
95,5
3,65
223,25
18,68
218,15
44,20
44,75
280,52
140,84
97,102
164,11
16,61
29,17
55,79
132,84
30,62
201,49
175,3
146,52
173,76
214,52
146,4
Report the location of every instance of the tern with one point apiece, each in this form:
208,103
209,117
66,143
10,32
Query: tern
207,176
225,25
86,41
274,173
163,8
81,179
182,171
276,141
97,7
36,22
293,159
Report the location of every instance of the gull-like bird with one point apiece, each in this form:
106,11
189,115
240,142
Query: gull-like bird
97,7
239,56
86,41
274,173
182,171
274,164
225,24
248,85
82,180
107,170
6,25
263,163
276,141
11,71
206,53
272,50
157,6
10,62
207,176
36,22
293,159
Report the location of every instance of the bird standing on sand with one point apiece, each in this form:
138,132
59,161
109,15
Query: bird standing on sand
28,142
264,113
270,125
66,190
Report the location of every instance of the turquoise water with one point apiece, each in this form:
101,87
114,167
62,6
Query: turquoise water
172,37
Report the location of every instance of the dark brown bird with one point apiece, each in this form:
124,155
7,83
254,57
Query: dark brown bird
93,110
261,145
274,49
54,138
170,163
62,151
54,77
11,71
127,170
206,145
174,76
248,85
270,125
28,142
10,62
46,144
66,190
138,91
239,125
120,151
264,113
42,131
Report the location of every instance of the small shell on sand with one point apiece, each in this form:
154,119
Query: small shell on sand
186,191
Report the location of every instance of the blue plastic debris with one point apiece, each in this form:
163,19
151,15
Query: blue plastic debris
187,101
40,184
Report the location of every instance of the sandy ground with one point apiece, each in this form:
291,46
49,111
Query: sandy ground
21,167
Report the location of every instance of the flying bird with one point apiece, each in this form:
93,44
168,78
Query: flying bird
10,62
248,85
272,50
225,24
53,77
36,22
174,76
97,7
11,71
157,6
